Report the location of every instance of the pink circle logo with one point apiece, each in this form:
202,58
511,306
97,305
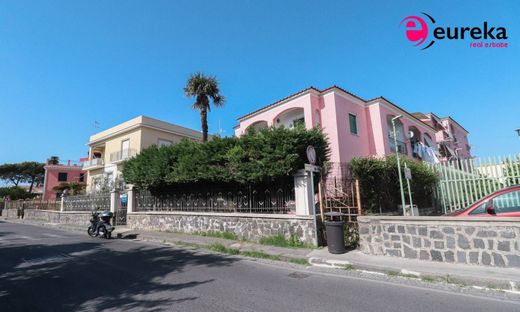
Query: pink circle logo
416,29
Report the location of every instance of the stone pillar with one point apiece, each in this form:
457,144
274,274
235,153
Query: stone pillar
115,201
130,206
303,193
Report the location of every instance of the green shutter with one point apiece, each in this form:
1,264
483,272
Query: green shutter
353,123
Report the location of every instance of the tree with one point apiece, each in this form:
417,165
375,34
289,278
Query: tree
33,173
11,173
75,188
15,193
26,172
53,160
204,88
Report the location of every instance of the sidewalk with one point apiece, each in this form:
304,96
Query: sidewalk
507,279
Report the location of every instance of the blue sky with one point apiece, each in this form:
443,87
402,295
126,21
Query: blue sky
66,64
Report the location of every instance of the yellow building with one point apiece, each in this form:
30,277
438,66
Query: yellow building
108,149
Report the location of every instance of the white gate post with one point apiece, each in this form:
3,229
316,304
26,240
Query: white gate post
115,201
303,193
130,199
62,204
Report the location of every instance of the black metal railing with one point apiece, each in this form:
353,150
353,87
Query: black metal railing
87,202
246,199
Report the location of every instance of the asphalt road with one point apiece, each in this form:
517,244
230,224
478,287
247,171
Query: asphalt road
43,269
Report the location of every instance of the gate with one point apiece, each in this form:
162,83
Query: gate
339,192
464,181
121,211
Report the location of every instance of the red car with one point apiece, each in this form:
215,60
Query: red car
502,203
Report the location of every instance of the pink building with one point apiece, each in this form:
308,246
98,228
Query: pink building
355,127
452,137
58,174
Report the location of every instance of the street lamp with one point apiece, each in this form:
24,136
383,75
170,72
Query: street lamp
398,163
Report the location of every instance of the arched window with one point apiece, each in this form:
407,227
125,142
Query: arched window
399,134
293,117
415,138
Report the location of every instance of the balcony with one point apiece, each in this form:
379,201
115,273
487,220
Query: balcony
122,155
93,164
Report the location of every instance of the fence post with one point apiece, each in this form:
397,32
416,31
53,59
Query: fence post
114,201
62,203
130,200
358,198
303,193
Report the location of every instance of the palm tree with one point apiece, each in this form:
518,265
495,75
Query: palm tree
203,88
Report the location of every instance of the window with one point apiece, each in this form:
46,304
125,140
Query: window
352,119
508,202
480,209
62,177
125,149
399,131
428,140
162,142
81,177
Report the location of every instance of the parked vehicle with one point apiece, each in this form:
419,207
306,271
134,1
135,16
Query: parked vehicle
502,203
100,224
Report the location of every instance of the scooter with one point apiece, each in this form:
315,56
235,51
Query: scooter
100,224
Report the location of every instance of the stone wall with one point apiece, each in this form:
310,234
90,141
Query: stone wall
50,216
10,213
245,226
486,241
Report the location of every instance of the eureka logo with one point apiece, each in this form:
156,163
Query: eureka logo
417,31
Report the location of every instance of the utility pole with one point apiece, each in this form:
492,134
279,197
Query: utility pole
403,202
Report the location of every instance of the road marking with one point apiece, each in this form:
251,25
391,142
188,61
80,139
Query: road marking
53,235
25,237
42,261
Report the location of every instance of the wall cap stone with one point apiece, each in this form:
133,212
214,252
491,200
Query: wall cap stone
222,214
367,219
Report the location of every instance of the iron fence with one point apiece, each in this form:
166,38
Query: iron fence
87,202
463,182
39,204
246,199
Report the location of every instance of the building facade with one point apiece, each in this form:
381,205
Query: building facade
355,127
452,137
110,148
61,174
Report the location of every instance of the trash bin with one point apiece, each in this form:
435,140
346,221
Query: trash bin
335,233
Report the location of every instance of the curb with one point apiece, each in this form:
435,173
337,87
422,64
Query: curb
511,286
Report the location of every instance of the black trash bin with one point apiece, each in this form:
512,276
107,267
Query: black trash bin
335,233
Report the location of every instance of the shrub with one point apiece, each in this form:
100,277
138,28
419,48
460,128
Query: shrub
379,182
256,157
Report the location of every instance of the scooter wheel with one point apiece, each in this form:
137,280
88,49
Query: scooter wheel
91,232
103,231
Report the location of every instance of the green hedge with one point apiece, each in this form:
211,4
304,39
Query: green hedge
379,182
15,193
253,158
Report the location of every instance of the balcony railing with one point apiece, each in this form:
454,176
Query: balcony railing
93,163
122,155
